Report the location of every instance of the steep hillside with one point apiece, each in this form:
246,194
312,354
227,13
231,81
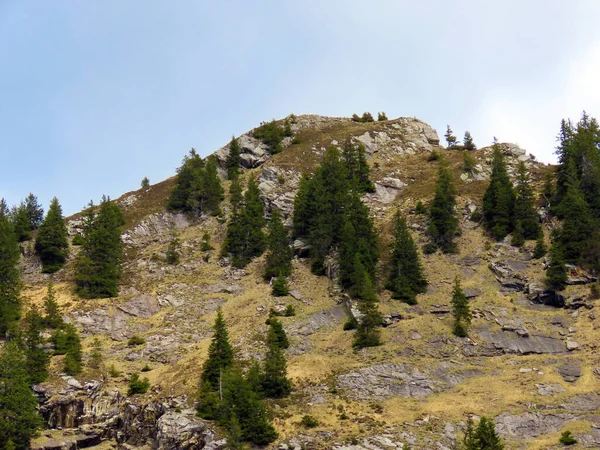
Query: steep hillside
535,368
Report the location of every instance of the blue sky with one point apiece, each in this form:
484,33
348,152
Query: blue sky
97,95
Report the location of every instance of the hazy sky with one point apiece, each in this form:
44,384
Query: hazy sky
95,95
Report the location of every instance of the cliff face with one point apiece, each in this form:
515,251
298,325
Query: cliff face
531,360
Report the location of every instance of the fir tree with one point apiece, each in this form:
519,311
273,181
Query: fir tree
235,195
52,317
21,223
233,159
52,244
469,438
356,164
540,247
556,272
220,354
303,205
18,405
245,237
443,224
450,138
66,342
468,163
187,175
518,235
256,378
276,383
37,359
367,331
524,210
276,334
468,143
10,283
145,183
460,310
35,212
209,403
98,268
406,278
280,287
499,199
486,436
172,255
279,255
207,193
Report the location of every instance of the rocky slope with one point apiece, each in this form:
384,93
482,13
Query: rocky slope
531,360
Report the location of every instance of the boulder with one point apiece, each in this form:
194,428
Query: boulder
530,425
549,298
570,371
508,275
549,389
577,275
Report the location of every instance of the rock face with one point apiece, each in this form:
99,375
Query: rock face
508,342
508,275
530,425
155,228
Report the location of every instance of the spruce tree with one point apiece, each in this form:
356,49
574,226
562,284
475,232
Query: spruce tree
18,405
357,167
209,403
233,159
367,331
556,272
279,255
10,283
52,317
524,210
518,235
245,237
37,359
35,212
275,382
235,195
460,310
187,176
540,247
66,342
276,334
468,143
406,278
206,191
21,223
172,255
145,183
280,287
303,205
499,199
450,138
486,436
52,244
98,267
443,224
255,378
220,354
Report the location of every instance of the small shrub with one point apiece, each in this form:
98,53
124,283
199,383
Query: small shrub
113,372
137,386
281,179
271,135
145,182
309,421
476,216
146,368
316,267
468,163
77,239
293,119
381,117
367,117
540,248
289,311
567,438
136,340
205,245
356,118
487,246
429,249
433,156
280,287
350,324
420,208
343,416
296,140
95,358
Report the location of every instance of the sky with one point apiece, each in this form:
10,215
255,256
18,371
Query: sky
94,96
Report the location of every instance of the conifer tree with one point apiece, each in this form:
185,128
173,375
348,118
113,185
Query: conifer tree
367,330
209,403
280,287
556,272
460,310
276,334
381,116
499,199
21,223
443,224
486,436
524,211
276,383
450,138
235,195
98,268
220,354
35,212
540,247
303,203
172,255
10,283
37,359
18,405
279,255
233,159
206,192
66,342
406,278
256,378
518,235
52,244
468,142
187,175
357,167
52,317
145,183
245,237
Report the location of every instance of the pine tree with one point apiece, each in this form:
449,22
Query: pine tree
468,143
524,210
172,254
52,317
469,438
10,283
245,237
18,405
220,354
450,138
206,190
518,235
406,278
279,256
367,331
486,436
66,342
235,195
443,224
52,244
357,167
556,272
540,247
145,183
35,212
187,175
37,359
98,268
276,383
499,199
21,223
233,159
280,287
460,310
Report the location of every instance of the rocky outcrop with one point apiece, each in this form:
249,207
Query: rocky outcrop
509,341
508,275
154,228
531,424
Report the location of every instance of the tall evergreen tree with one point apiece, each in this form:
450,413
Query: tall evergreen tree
35,212
245,237
556,272
303,203
187,175
235,195
499,199
279,256
66,342
98,268
18,405
220,354
276,383
443,224
524,210
276,334
21,223
460,310
358,169
52,245
10,283
468,142
450,138
233,159
406,278
367,331
206,191
486,436
52,317
37,359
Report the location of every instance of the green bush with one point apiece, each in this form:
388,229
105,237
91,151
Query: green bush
468,162
296,140
434,156
136,340
146,368
420,208
280,287
429,249
567,438
367,117
137,386
289,311
381,117
205,245
350,324
309,421
145,183
77,239
113,372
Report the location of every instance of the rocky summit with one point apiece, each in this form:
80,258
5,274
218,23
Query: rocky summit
530,362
